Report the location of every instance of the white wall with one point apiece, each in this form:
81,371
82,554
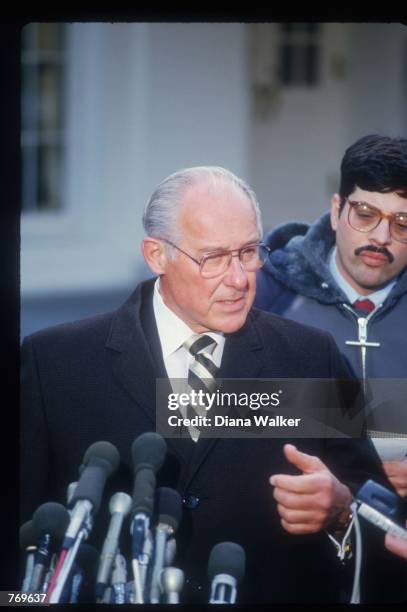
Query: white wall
297,149
145,100
378,79
198,97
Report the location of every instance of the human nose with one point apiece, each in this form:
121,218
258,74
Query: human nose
381,234
236,275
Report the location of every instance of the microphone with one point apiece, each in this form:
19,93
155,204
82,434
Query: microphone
49,573
169,509
119,578
70,491
49,523
226,568
170,551
83,578
100,461
28,543
148,453
119,507
172,582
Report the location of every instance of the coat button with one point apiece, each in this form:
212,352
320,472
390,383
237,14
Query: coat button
191,501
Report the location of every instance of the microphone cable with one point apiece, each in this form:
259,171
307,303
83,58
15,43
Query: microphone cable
355,597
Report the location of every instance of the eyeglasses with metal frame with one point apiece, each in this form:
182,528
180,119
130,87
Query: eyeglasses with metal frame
364,217
214,263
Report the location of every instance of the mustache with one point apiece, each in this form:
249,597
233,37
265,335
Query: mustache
373,249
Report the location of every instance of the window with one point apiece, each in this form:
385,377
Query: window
299,54
42,116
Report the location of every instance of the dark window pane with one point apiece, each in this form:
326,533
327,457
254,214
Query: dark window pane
300,28
49,177
287,27
286,64
29,98
29,175
27,36
42,115
299,54
298,65
49,94
312,68
313,28
50,36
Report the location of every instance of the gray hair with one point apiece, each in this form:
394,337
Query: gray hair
161,211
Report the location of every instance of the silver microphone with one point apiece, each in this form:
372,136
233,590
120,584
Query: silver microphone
100,461
119,579
172,582
119,507
28,543
170,551
226,569
70,492
169,510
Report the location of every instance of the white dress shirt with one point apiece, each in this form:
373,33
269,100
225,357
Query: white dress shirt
173,332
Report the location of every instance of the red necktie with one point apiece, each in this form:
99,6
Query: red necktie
364,306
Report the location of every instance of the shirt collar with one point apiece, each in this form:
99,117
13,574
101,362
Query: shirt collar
172,330
377,297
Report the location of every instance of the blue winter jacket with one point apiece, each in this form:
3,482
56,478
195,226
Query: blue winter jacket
296,283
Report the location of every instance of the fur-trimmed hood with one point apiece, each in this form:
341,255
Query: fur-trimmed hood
299,261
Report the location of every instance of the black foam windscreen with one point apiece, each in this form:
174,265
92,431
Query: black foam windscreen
148,451
87,558
50,518
143,496
90,487
169,507
227,558
27,535
102,454
99,462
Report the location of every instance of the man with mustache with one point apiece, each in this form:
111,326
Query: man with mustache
347,274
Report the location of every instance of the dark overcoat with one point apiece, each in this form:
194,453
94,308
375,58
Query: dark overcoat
95,380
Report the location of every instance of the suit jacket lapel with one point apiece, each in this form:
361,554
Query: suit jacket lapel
137,359
242,353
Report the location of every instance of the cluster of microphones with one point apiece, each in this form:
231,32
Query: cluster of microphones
61,564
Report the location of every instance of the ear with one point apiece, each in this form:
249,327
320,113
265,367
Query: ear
154,254
335,205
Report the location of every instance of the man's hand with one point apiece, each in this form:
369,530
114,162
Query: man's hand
396,472
312,501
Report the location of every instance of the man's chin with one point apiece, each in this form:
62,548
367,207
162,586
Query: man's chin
232,324
372,284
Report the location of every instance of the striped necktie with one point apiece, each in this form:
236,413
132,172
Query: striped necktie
201,373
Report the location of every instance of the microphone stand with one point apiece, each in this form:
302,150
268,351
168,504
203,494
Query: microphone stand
69,559
140,530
